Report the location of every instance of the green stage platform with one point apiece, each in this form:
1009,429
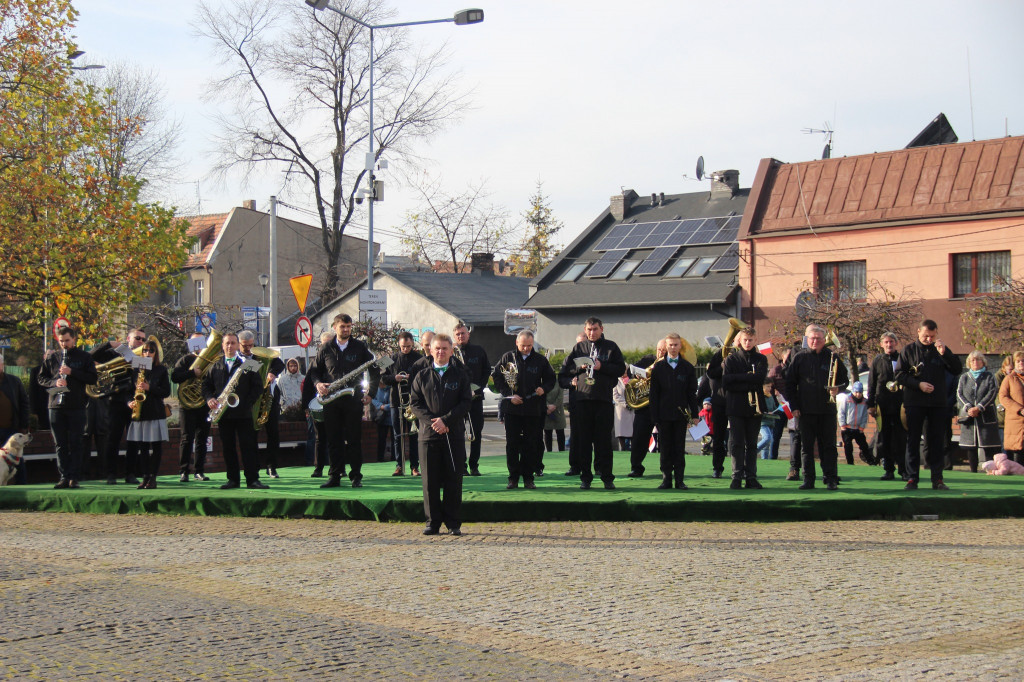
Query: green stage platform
557,497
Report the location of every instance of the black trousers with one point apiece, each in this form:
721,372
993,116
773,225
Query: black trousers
68,428
120,419
642,428
820,430
97,424
851,436
476,418
795,447
930,423
192,448
150,455
320,459
237,435
574,439
344,421
891,444
595,421
720,437
409,442
444,461
743,432
523,445
672,439
550,434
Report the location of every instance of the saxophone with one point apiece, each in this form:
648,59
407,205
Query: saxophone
340,387
228,398
140,396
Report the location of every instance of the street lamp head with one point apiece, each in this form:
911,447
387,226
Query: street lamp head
466,16
264,280
318,4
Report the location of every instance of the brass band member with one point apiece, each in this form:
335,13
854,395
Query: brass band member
119,414
344,416
523,378
441,397
398,379
246,342
924,365
195,427
643,421
237,434
808,391
66,373
711,387
320,458
595,413
673,407
149,428
743,376
475,359
885,398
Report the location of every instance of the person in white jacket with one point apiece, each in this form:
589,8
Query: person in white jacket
853,419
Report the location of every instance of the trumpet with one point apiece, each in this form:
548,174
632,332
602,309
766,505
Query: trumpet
833,368
590,370
752,396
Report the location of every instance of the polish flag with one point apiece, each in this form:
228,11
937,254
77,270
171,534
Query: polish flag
653,443
765,348
786,409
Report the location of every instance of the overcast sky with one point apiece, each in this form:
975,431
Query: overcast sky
593,96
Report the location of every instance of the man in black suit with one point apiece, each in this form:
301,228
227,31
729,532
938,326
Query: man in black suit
398,378
673,408
441,398
891,440
195,427
246,342
343,416
66,374
525,408
474,358
235,426
643,421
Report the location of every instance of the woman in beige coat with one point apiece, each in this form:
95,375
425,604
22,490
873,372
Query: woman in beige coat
1011,397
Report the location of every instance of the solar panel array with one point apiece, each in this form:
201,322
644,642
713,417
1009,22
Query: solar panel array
607,263
690,232
656,261
730,260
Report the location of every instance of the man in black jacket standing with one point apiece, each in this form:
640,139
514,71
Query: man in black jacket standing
643,421
743,375
924,365
342,416
119,414
67,373
195,427
235,426
523,377
441,398
595,412
246,343
398,378
891,441
810,397
475,360
719,415
673,408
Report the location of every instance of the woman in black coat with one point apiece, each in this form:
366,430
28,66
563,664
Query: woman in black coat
148,430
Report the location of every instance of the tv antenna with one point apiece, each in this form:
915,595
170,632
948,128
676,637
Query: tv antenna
827,131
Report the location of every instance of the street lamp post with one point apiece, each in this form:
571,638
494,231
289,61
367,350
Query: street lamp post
461,18
264,281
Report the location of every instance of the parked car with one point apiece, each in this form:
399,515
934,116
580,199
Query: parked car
491,400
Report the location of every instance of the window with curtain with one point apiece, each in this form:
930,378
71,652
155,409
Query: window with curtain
980,273
843,279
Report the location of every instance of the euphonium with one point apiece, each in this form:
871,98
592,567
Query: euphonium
190,391
112,376
140,396
736,325
638,390
261,410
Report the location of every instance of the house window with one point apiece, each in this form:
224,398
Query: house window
843,280
980,273
574,272
197,246
176,298
680,267
200,300
625,270
702,267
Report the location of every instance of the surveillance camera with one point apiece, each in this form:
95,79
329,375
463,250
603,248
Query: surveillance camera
359,198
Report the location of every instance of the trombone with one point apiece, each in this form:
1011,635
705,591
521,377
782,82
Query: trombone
833,368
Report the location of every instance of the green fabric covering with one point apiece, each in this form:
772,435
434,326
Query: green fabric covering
386,498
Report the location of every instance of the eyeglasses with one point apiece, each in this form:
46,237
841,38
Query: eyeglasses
147,350
139,338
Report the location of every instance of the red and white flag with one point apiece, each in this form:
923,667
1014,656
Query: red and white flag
786,409
765,348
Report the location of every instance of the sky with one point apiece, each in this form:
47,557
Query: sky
590,97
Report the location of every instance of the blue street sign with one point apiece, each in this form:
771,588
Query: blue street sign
205,322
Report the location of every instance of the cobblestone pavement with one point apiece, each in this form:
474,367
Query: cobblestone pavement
153,597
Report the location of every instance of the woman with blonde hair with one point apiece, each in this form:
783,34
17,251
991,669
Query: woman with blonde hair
976,397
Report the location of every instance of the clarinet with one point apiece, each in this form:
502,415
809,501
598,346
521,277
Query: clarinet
60,391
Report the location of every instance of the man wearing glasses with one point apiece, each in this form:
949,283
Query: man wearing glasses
119,413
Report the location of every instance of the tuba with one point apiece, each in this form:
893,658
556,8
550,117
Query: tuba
261,410
190,391
736,325
112,376
638,390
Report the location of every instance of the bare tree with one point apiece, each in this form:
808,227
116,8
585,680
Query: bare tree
448,228
142,139
994,322
297,82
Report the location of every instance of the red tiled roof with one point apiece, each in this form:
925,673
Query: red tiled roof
207,228
905,185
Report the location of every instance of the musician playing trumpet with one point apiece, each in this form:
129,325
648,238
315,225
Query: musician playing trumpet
398,378
885,398
523,378
809,390
343,417
743,376
673,404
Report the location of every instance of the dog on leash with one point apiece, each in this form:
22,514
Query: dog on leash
10,456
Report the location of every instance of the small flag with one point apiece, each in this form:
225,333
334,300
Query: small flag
653,444
786,409
765,348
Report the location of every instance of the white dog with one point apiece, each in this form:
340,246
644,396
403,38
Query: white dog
10,456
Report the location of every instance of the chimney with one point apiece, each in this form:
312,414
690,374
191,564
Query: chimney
621,203
482,264
661,199
725,183
654,198
249,204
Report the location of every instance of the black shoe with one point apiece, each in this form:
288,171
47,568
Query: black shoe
911,484
257,485
331,482
431,531
608,485
512,484
666,484
754,484
476,472
832,485
230,484
455,531
635,473
585,485
61,484
201,477
716,474
183,478
936,485
74,484
529,485
317,473
358,483
735,484
888,476
539,473
131,480
806,485
572,472
681,486
112,480
793,475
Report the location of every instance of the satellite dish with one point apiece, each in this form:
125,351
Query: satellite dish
700,167
804,303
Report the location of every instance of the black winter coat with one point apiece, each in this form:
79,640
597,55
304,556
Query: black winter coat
332,363
535,371
612,367
83,373
932,368
673,390
248,390
447,396
879,375
159,388
807,379
743,373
